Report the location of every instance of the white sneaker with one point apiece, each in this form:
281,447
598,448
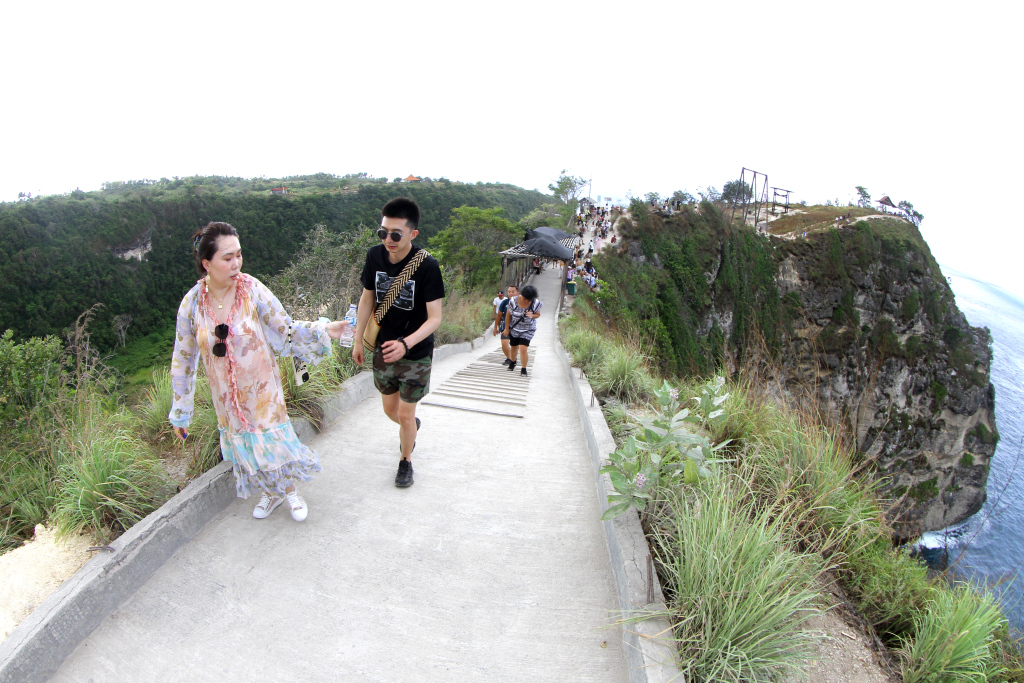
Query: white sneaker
266,505
298,506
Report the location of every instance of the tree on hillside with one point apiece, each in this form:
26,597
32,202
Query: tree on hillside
472,241
709,194
652,197
322,278
545,215
120,324
736,192
912,215
568,188
683,196
863,198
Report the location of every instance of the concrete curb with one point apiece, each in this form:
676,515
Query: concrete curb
39,645
649,652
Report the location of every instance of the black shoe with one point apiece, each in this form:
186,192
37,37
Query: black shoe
403,479
511,366
506,361
522,372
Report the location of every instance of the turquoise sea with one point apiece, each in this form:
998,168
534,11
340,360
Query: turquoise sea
989,547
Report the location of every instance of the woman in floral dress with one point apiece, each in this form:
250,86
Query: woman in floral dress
237,325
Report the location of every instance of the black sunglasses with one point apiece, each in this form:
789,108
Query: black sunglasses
395,235
220,348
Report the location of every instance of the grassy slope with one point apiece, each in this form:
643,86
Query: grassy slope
800,470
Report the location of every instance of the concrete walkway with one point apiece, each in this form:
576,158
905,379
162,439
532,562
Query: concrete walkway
492,567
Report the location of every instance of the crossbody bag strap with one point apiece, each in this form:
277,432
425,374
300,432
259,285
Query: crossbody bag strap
396,285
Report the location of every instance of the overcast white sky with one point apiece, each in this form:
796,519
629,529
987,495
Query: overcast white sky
917,100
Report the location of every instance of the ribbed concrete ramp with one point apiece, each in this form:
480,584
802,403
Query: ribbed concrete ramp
485,386
492,567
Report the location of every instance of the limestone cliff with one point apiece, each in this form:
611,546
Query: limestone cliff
884,343
855,314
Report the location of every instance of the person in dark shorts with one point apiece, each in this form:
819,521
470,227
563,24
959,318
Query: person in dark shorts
499,323
405,343
521,322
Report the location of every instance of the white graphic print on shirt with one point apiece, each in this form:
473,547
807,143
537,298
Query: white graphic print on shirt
405,296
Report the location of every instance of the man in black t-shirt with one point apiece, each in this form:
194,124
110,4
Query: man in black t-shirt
405,343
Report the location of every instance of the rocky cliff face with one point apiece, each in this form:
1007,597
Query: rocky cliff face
859,317
883,343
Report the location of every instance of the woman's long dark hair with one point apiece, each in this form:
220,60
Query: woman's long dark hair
204,241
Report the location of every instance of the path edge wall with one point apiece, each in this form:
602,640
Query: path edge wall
39,645
649,651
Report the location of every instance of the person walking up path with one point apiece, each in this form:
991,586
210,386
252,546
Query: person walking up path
488,569
499,323
521,322
404,347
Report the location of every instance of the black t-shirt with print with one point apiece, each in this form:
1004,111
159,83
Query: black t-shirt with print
409,311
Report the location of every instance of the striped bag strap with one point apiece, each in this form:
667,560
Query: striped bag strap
396,285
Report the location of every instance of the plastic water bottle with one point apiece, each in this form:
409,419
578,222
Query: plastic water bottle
350,331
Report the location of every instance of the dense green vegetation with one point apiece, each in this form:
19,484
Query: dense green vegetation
750,507
697,268
58,254
667,300
81,446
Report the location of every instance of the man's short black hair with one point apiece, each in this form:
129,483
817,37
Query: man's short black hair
403,207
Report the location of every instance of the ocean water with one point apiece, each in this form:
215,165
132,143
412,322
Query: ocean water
989,547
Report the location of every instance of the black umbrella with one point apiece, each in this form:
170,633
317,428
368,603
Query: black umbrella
557,234
545,247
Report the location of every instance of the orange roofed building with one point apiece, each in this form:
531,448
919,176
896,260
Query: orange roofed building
411,179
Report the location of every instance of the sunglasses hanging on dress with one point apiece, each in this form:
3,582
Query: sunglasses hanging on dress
221,348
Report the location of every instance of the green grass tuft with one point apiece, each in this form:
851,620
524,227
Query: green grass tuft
737,595
953,639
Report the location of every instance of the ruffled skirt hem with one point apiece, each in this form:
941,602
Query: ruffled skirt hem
268,460
274,482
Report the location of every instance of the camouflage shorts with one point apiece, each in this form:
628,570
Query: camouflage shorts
411,378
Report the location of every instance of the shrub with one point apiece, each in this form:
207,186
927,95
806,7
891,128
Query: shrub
890,587
911,305
29,372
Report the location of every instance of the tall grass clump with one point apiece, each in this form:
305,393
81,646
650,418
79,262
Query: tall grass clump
794,460
466,311
203,444
103,478
737,594
108,481
623,374
588,350
953,639
27,486
616,366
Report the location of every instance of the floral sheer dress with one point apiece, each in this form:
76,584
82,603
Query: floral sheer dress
256,435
